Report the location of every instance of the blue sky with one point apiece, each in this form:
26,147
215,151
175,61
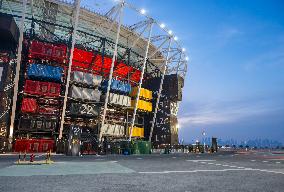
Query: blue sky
235,82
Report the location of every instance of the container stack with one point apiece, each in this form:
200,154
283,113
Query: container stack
43,80
119,103
144,106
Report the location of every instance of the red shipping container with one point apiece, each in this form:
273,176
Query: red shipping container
54,89
59,53
21,145
48,51
48,110
82,58
36,49
44,88
34,145
31,87
136,76
46,145
29,105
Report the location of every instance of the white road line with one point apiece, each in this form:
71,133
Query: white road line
226,165
252,160
113,161
139,158
218,164
190,171
174,157
240,167
202,162
210,163
268,171
197,156
199,160
264,161
208,170
277,162
233,166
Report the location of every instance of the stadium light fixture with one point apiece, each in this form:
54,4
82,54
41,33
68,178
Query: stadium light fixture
183,49
162,25
170,32
142,11
186,58
175,38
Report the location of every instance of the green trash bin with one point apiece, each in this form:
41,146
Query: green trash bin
144,147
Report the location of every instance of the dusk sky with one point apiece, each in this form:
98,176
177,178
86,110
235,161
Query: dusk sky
235,82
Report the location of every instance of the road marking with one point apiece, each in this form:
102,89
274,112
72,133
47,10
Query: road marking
218,164
209,170
233,166
194,171
226,165
197,156
210,163
277,162
139,158
202,162
264,161
268,171
174,157
252,160
199,160
240,167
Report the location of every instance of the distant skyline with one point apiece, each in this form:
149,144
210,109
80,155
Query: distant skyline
235,82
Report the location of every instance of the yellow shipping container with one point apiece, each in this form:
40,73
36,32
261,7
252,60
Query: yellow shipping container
142,105
144,93
136,131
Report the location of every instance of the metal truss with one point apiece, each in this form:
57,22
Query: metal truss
161,51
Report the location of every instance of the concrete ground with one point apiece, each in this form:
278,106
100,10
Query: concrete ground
223,171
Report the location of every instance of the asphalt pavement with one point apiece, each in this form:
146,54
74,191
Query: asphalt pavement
223,171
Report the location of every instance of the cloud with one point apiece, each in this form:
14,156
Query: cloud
224,112
227,34
272,59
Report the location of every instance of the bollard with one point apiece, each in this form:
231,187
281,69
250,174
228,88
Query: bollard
19,158
25,155
32,157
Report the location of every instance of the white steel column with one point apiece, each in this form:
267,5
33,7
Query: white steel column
141,80
111,69
17,76
160,90
75,24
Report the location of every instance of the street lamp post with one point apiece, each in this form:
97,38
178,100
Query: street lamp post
204,145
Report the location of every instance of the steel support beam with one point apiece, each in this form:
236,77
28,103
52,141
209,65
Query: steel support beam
75,24
111,69
160,90
17,76
141,80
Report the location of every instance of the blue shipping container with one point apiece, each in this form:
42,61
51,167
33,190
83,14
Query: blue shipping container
45,72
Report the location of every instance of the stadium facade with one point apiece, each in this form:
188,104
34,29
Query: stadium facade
82,76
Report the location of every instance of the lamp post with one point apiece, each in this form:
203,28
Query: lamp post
203,133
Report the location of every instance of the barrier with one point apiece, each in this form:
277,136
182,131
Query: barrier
33,159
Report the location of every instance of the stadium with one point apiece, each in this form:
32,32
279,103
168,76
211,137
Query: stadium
75,79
